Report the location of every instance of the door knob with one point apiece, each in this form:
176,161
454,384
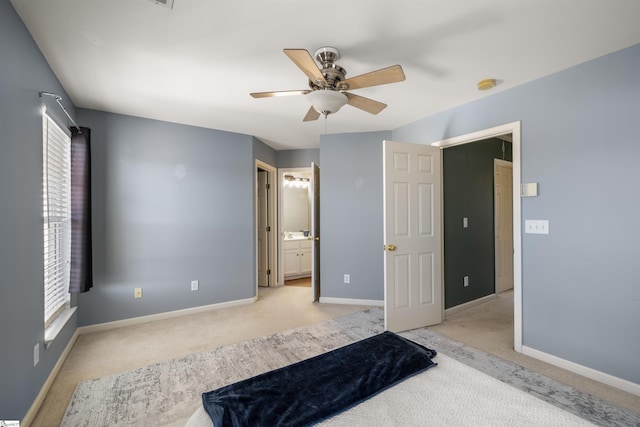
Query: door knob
317,238
390,248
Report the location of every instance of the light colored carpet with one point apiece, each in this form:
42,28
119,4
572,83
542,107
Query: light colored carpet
112,351
168,393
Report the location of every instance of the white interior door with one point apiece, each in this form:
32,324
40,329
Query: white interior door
314,188
503,213
412,236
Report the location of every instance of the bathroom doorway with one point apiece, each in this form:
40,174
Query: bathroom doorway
296,238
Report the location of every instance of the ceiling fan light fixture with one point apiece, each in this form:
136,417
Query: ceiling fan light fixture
327,101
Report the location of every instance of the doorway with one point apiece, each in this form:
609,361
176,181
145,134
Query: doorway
503,228
512,129
295,216
266,196
299,222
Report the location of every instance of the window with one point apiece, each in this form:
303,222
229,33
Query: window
56,181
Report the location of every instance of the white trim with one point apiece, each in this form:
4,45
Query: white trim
351,301
514,129
37,403
585,371
467,305
51,332
162,316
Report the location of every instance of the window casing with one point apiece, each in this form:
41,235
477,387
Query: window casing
56,218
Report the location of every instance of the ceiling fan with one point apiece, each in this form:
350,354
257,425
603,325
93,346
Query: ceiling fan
328,85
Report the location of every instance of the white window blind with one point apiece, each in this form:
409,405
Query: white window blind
57,218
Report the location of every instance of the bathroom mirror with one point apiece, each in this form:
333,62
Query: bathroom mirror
296,205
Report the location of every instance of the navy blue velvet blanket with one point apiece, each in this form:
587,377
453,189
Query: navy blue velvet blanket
312,390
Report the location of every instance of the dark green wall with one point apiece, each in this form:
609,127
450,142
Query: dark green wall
468,192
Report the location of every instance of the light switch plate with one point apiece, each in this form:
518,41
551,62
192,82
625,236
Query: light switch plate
536,226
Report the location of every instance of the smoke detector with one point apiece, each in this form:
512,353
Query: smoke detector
486,84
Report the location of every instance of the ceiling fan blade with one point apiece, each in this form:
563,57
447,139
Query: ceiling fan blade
302,58
391,74
279,93
365,104
312,114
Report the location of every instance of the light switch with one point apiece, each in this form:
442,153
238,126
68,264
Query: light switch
536,226
465,222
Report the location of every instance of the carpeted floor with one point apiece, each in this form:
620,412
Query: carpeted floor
113,351
487,327
166,394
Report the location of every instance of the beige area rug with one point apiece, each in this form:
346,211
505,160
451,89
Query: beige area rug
169,393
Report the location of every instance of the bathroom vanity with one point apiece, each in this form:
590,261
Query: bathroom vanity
296,251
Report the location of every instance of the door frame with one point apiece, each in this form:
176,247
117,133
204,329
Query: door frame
314,196
514,129
273,215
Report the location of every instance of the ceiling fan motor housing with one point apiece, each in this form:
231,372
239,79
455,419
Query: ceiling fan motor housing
332,72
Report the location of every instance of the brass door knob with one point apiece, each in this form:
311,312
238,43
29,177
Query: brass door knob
390,248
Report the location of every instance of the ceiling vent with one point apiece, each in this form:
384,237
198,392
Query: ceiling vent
165,3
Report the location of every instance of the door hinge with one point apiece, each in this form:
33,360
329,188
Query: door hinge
268,186
268,228
268,272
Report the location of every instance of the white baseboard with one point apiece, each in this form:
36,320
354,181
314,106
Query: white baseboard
37,403
162,316
350,301
468,305
585,371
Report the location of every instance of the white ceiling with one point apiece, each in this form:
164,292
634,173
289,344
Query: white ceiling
197,63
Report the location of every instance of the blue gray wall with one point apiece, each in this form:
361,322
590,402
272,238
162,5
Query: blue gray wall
298,158
23,74
171,204
264,153
351,215
580,285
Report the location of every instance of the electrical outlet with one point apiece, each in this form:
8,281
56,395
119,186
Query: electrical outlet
465,281
347,278
36,354
137,293
194,285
